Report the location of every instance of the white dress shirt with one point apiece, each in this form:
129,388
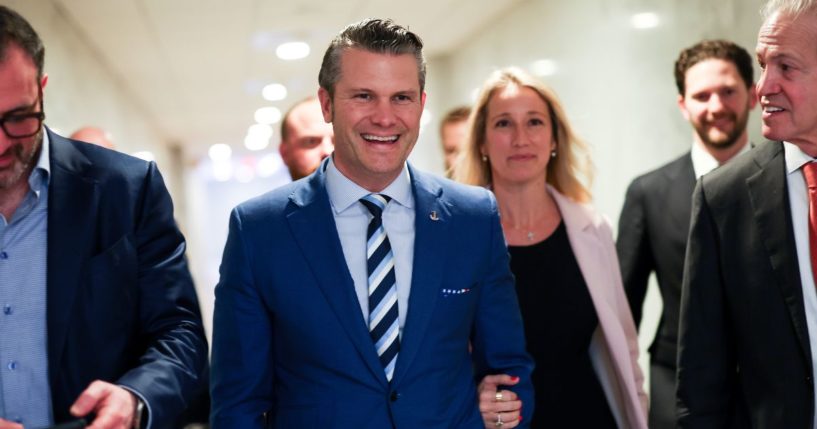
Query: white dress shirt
798,203
703,162
352,220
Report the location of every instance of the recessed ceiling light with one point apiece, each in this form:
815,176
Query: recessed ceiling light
267,115
292,50
220,152
256,142
274,92
544,68
645,20
261,130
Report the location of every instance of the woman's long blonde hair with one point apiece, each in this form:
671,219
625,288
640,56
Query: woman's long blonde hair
570,172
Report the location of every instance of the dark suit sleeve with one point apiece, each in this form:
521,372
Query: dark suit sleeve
499,338
242,379
170,370
706,358
634,252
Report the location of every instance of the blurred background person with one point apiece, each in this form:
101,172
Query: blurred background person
94,135
578,325
715,94
306,139
453,130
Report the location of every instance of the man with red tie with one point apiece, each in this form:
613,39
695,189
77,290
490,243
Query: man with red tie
748,328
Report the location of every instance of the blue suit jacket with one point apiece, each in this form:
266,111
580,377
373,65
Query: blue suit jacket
291,346
121,306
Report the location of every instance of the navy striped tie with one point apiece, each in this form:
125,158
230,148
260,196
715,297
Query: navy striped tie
383,320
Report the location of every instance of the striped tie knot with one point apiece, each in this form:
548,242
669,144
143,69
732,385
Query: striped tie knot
375,203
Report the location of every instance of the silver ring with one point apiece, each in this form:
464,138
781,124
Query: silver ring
498,396
499,423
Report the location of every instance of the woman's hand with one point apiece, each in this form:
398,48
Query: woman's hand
499,408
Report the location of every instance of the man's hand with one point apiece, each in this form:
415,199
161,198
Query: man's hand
114,406
499,408
5,424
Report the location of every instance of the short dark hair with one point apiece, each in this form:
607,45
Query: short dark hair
15,29
285,119
713,49
457,114
381,36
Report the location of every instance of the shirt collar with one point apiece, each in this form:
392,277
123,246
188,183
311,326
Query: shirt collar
703,162
343,192
41,173
795,158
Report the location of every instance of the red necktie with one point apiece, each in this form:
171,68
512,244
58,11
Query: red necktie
810,173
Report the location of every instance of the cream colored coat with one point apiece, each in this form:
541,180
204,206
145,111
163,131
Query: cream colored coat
614,348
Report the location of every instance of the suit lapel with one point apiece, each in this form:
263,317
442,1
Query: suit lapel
679,199
596,265
313,228
584,242
768,192
432,219
71,220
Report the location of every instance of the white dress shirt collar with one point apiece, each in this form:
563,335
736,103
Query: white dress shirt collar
343,192
703,162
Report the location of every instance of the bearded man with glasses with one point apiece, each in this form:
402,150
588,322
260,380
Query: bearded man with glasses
99,316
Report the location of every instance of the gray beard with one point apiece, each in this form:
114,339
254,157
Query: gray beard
25,162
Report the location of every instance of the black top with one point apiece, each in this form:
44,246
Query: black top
559,320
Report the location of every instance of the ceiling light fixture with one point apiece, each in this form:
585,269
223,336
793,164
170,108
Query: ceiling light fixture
274,92
292,50
645,20
544,68
220,152
268,115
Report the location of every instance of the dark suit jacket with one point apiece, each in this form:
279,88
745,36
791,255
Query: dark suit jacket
744,355
121,306
652,236
290,339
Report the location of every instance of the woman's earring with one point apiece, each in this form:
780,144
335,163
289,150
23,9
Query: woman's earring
553,153
484,158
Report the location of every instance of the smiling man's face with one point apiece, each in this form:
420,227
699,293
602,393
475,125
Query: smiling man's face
788,81
375,112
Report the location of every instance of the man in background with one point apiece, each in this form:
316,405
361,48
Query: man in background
306,139
715,94
99,315
453,132
94,135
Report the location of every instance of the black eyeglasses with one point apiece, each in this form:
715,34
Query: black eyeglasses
21,125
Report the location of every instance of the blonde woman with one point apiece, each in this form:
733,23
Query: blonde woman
577,320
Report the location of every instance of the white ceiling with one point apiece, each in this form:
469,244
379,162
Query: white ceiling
198,66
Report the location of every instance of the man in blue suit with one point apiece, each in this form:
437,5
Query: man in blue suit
349,299
99,314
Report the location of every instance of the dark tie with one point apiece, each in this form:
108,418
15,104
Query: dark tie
810,173
383,320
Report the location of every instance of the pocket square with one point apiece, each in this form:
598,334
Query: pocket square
450,292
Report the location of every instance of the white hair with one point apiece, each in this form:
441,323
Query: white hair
788,7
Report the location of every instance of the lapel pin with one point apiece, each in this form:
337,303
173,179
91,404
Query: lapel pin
434,216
